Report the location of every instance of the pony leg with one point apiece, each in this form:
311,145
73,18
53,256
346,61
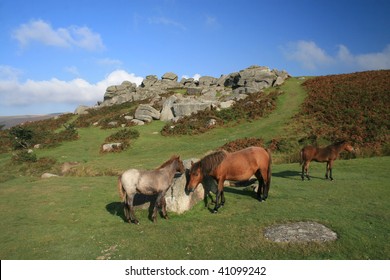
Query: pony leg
330,170
164,208
260,189
160,197
219,194
307,170
130,214
327,170
303,171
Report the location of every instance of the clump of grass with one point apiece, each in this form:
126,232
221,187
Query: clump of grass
123,136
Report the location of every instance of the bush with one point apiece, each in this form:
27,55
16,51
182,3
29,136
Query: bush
21,137
124,137
24,156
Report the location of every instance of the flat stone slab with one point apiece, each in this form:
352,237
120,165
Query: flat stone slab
300,232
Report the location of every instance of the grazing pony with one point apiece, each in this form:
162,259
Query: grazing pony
148,182
237,166
327,154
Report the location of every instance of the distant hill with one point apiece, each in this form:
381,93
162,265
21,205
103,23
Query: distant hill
10,121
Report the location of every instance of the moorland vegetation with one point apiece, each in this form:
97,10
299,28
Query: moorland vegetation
78,215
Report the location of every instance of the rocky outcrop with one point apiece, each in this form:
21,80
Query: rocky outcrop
194,95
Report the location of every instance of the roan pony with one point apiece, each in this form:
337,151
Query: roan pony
237,166
328,154
148,182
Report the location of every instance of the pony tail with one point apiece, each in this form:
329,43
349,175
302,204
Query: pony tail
301,157
122,192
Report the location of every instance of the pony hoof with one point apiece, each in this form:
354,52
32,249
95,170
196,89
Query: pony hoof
136,222
215,211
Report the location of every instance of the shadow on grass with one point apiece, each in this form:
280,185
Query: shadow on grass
293,175
140,202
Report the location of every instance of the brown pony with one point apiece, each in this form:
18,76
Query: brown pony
327,154
237,166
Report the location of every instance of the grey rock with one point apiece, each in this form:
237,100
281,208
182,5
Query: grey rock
146,113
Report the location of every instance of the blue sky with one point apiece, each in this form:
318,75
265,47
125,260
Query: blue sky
56,55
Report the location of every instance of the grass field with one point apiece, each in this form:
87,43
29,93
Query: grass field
80,217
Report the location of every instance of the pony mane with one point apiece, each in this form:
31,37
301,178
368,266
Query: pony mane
168,162
211,161
339,143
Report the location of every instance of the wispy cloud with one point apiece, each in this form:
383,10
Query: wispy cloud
308,54
312,57
72,70
167,22
369,61
56,91
42,32
211,22
109,62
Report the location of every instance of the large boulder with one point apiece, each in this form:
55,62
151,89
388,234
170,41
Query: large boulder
170,77
146,113
177,198
188,106
81,110
125,88
149,81
167,111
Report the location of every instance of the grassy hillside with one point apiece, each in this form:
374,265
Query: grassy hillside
79,216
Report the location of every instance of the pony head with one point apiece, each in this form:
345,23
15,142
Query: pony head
196,176
348,147
180,166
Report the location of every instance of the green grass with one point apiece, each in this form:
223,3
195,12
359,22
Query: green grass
80,218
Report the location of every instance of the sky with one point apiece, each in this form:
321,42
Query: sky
56,55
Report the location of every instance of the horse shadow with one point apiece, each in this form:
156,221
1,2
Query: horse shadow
292,175
140,201
288,174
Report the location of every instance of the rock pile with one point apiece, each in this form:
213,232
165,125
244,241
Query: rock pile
190,96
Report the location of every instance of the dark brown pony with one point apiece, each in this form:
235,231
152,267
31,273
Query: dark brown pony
328,154
237,166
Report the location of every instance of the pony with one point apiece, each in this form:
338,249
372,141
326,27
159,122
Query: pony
236,166
328,154
148,182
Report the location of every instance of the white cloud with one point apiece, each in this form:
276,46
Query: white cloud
42,32
195,77
312,57
167,22
55,91
380,60
308,54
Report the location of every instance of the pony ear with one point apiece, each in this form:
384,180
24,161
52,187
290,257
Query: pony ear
192,163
